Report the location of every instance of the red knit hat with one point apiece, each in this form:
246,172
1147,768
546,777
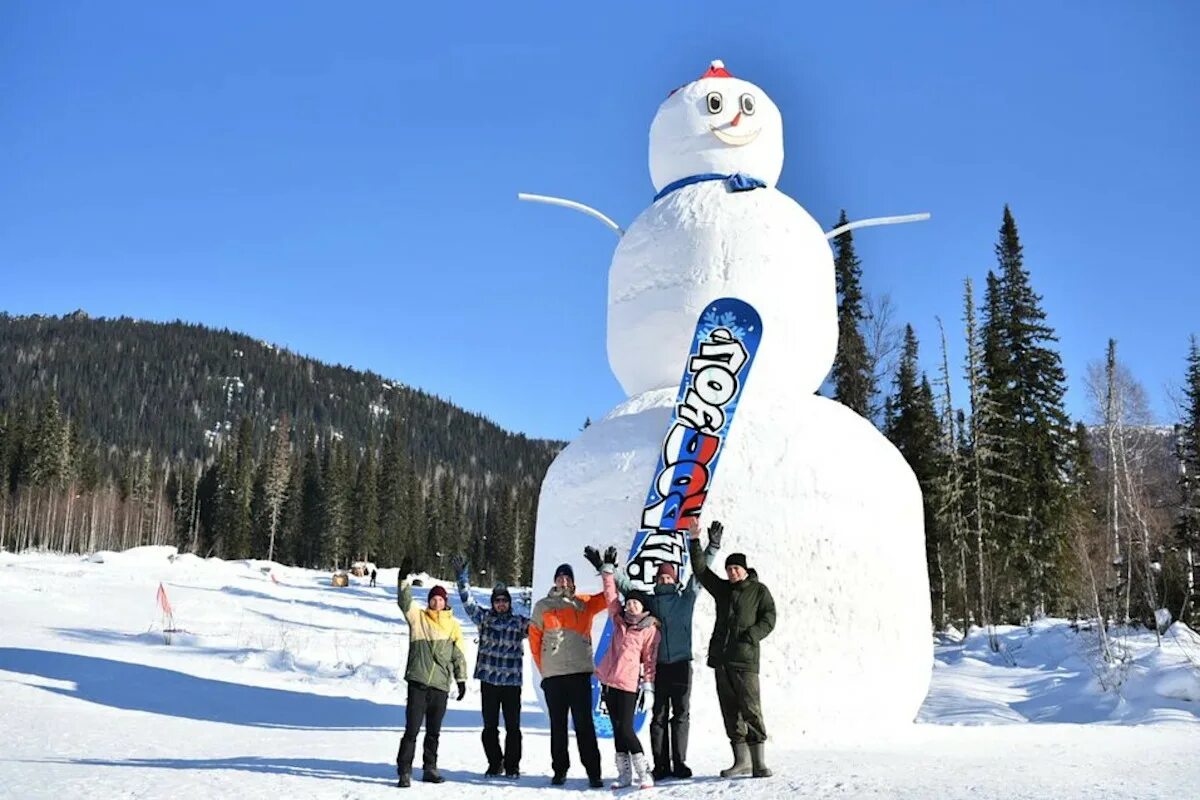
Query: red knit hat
438,591
667,568
716,69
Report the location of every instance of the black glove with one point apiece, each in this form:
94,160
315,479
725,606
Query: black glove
610,555
462,690
715,530
406,565
459,565
593,556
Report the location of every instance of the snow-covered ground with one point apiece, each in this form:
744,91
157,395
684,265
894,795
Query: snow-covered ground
283,686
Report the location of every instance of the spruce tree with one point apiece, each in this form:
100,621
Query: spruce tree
854,383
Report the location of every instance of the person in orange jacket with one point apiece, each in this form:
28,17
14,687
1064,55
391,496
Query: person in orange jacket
560,638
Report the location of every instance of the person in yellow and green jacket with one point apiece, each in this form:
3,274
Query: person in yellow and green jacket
436,663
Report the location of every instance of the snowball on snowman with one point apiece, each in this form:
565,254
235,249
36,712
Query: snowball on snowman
716,128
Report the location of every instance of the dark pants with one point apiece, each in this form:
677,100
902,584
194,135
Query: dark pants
495,699
424,704
621,706
737,692
672,698
572,694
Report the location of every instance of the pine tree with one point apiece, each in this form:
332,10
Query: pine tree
854,383
366,509
913,428
395,507
276,478
335,507
1187,527
1024,378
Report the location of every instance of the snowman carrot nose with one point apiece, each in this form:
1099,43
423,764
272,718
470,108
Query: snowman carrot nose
736,119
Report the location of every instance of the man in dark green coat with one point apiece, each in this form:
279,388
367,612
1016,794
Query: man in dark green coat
745,616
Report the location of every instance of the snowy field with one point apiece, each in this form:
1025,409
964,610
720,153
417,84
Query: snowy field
283,686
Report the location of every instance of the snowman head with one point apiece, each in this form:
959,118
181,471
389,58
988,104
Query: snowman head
716,124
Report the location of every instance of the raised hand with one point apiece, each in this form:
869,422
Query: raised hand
610,555
715,531
459,564
593,557
693,528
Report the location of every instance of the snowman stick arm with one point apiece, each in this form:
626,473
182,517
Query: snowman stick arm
868,223
558,201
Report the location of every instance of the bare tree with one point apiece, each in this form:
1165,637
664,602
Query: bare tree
885,339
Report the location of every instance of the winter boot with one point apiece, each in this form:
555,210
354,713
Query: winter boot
681,771
405,780
624,772
642,771
761,770
741,761
493,770
431,775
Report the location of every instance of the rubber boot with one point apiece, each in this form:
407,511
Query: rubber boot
624,771
741,761
759,759
641,771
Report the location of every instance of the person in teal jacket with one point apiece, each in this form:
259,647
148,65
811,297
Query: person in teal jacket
672,604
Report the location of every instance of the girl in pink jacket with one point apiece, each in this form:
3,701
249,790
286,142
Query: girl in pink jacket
627,667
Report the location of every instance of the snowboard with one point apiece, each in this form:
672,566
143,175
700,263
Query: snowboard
714,376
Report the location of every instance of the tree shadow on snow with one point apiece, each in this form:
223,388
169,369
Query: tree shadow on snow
321,768
138,687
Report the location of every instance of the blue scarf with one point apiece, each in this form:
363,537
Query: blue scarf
737,182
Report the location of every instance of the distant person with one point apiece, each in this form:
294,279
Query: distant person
499,668
372,576
560,637
672,603
436,662
626,670
745,616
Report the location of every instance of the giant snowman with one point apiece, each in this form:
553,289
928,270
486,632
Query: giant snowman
827,511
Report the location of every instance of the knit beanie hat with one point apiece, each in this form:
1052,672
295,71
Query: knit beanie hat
438,591
667,568
500,591
736,560
565,569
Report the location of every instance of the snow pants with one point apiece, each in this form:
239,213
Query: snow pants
496,699
621,707
672,699
741,707
426,704
572,694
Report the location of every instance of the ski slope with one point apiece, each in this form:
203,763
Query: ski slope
282,686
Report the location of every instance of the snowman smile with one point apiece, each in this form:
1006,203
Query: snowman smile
734,139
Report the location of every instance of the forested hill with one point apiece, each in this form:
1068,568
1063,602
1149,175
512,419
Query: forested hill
119,432
171,386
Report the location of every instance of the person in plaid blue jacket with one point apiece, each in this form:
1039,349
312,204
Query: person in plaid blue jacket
499,668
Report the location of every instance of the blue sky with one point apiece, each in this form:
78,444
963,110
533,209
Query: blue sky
341,179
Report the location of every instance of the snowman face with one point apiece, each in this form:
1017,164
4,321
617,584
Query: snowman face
721,125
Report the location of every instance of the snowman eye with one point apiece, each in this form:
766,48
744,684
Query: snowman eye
747,102
715,102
